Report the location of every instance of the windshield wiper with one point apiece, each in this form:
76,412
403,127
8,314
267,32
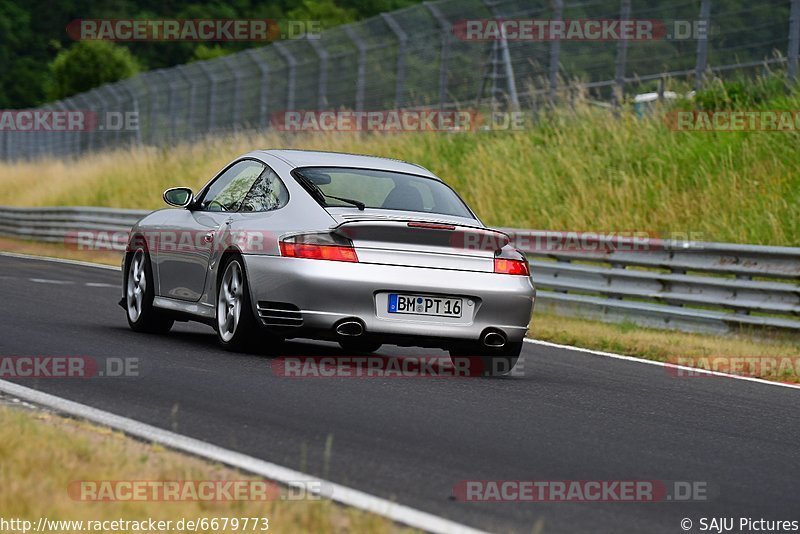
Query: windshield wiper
322,195
357,203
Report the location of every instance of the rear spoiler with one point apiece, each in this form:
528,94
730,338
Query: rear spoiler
424,232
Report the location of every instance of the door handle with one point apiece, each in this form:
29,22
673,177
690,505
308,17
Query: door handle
209,237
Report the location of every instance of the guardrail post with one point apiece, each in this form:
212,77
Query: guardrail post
555,54
702,45
290,82
362,65
622,57
402,45
445,26
794,40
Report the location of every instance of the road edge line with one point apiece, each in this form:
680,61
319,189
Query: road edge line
58,260
660,364
341,494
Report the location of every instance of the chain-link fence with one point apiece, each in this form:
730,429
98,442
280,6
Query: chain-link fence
417,58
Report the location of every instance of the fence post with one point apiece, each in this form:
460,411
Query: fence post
173,116
702,45
117,108
104,133
402,43
292,62
555,53
263,93
212,96
622,57
237,89
794,40
511,82
444,25
322,83
80,100
135,104
362,65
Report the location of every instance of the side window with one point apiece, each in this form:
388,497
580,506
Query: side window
267,194
229,189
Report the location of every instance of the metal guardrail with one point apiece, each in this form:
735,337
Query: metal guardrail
692,286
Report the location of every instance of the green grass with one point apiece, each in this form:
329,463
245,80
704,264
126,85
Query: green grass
579,169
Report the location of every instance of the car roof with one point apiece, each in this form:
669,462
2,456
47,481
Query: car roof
318,158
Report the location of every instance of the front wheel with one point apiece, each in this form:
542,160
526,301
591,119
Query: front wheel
236,325
139,294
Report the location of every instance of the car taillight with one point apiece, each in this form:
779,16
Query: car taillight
318,247
517,267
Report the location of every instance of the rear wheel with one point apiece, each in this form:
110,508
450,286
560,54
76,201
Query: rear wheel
482,361
236,326
139,293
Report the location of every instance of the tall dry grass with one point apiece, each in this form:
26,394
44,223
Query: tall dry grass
580,169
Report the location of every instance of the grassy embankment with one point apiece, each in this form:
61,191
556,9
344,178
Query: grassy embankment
35,480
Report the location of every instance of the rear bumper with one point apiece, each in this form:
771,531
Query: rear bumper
328,291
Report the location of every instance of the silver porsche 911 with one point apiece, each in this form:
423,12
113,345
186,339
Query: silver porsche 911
355,249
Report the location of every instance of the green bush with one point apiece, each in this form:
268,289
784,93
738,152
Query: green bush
89,64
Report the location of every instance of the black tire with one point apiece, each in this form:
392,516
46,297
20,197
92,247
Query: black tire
139,310
237,334
480,361
357,344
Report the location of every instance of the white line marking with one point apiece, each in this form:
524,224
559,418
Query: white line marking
46,281
98,284
58,260
660,364
344,495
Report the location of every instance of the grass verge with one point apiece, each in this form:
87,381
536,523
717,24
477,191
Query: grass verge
42,453
668,345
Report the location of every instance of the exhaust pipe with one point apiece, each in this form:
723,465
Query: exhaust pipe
494,340
350,328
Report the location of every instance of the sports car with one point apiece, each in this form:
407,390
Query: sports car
359,250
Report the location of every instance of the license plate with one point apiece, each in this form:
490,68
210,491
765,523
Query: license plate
422,305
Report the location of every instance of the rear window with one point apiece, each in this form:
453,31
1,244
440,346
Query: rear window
385,190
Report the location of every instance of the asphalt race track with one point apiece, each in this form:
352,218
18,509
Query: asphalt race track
572,416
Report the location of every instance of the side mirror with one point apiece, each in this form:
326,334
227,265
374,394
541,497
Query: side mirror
180,197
